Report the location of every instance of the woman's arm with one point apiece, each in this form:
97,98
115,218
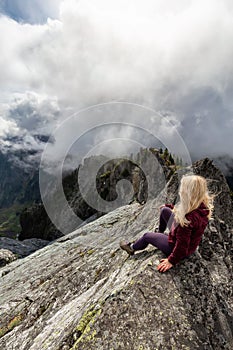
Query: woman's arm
180,251
164,265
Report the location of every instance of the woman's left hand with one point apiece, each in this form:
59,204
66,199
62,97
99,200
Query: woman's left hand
164,265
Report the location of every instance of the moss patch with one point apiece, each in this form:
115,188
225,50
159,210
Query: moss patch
84,333
86,252
12,324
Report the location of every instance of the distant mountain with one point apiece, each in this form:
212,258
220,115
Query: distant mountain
19,174
158,167
17,184
19,188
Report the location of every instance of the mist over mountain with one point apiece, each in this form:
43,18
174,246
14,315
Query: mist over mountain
19,169
225,163
68,56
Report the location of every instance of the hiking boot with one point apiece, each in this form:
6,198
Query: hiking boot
126,246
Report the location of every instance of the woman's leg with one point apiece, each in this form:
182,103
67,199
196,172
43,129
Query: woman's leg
165,219
157,239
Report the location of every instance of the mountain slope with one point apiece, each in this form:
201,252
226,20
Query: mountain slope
17,184
83,292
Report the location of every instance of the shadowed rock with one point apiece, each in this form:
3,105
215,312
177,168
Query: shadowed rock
22,248
83,292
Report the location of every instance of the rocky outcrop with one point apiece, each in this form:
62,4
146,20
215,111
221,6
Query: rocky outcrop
6,256
83,292
35,222
218,185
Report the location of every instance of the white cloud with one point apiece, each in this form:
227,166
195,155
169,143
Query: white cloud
8,127
173,55
27,124
34,113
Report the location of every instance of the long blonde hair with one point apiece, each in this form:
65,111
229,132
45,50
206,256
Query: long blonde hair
193,191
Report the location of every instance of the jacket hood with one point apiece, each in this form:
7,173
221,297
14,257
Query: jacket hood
202,210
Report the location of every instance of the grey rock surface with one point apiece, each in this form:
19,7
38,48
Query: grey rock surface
83,292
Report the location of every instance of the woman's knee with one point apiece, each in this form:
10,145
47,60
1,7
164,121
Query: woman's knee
146,235
149,237
165,211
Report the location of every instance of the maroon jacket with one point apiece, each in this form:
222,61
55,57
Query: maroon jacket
186,239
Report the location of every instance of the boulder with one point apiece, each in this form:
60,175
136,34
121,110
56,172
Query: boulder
6,256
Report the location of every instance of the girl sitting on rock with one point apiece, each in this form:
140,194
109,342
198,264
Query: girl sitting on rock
186,221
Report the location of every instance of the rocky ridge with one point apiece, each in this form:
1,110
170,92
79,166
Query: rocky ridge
83,292
34,220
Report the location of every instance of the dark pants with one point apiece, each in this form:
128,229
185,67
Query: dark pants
158,239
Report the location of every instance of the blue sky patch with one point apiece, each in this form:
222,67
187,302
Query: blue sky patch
30,11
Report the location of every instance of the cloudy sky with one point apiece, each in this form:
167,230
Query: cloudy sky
169,61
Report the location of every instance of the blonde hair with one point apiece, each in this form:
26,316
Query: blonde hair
193,191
